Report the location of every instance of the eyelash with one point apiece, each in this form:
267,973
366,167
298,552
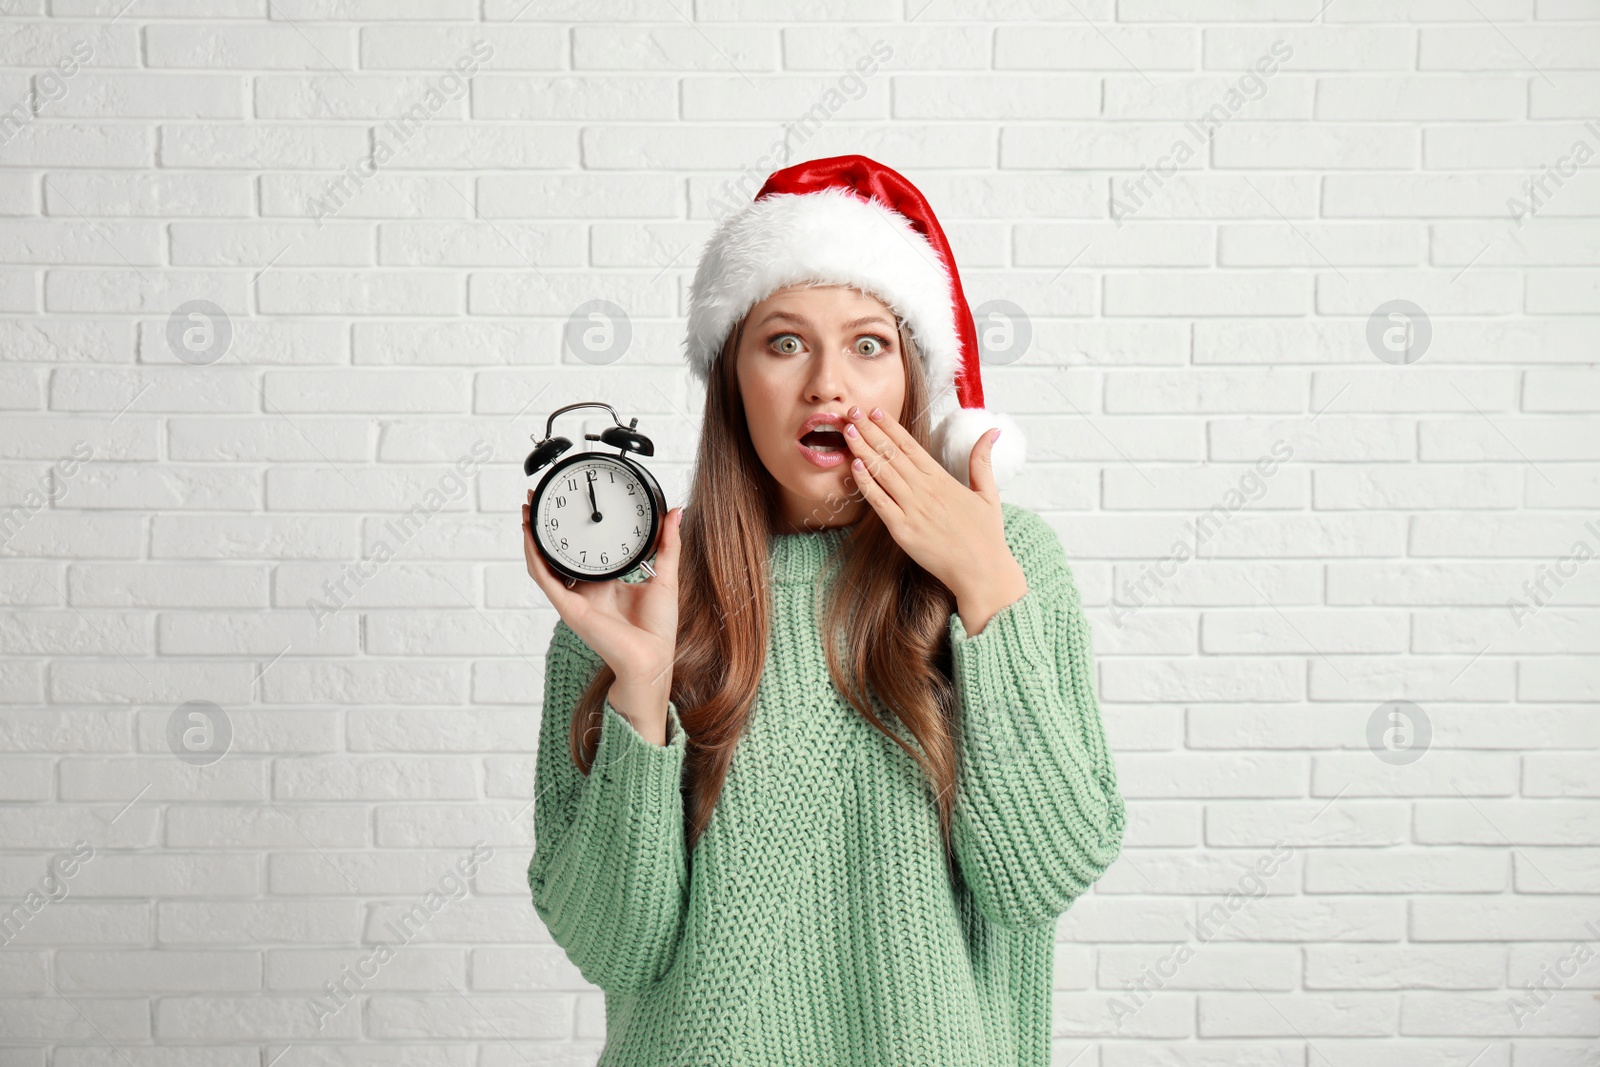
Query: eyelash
883,342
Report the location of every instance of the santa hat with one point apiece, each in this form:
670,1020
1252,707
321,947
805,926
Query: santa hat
850,220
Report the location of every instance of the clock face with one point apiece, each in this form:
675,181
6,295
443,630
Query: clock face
595,516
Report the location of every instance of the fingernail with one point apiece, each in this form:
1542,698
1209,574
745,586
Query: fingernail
850,430
996,436
854,413
877,413
858,465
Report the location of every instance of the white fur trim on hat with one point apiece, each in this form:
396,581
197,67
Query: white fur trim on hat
827,236
959,430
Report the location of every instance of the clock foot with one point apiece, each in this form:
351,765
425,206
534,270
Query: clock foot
651,571
571,582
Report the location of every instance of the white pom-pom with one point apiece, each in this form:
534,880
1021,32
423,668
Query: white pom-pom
958,431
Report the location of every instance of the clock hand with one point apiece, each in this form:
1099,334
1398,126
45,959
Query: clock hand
592,504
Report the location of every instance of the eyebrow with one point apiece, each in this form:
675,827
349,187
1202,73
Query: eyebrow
803,321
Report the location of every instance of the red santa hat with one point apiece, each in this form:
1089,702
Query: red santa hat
850,220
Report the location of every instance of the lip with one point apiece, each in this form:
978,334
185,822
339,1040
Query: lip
821,418
821,460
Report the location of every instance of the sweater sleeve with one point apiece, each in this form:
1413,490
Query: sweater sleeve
1038,814
609,873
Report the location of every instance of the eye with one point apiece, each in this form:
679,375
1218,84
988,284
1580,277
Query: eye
786,343
871,345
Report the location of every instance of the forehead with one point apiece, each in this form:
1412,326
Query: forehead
820,304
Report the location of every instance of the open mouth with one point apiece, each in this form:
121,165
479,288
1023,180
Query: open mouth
823,441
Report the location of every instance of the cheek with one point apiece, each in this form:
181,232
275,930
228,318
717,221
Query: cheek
761,414
888,391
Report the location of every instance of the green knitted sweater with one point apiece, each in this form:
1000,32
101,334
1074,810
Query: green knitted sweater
821,925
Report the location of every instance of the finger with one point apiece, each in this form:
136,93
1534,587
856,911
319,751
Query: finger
666,564
884,446
881,501
894,431
528,549
980,467
879,463
552,584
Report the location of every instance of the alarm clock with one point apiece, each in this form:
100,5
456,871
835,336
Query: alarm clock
595,516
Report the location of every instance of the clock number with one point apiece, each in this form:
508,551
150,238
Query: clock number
563,543
630,488
555,523
561,501
572,484
583,557
603,558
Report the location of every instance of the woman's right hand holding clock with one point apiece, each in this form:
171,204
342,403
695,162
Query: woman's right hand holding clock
632,625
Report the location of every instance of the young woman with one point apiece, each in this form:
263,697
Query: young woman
817,792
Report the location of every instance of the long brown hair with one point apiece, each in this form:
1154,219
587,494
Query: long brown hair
896,613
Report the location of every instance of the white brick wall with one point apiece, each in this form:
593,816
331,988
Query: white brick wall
1188,321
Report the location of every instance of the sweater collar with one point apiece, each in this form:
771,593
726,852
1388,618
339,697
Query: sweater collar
799,557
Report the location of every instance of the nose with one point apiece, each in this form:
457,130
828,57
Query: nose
825,382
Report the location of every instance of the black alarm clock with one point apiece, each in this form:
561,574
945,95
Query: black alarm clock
595,515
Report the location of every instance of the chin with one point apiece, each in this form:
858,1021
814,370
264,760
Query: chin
814,486
820,494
